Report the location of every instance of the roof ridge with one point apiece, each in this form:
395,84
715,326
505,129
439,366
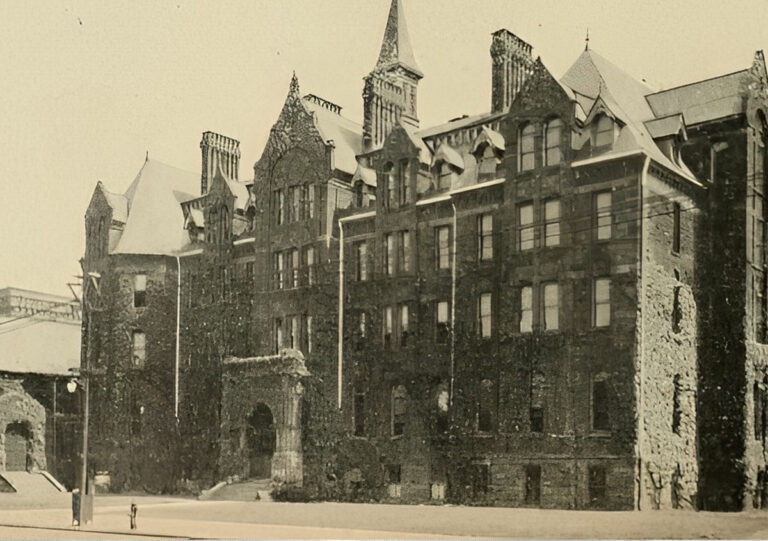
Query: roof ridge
723,76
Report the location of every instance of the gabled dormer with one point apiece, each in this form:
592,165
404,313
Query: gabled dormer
402,161
447,165
488,149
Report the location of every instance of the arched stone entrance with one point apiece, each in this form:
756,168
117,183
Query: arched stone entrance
22,429
17,444
261,442
261,417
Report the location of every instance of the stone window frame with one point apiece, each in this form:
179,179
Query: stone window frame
442,250
279,196
526,147
600,302
398,410
138,348
308,256
598,381
547,305
484,331
388,254
484,228
552,222
361,261
404,182
442,328
553,146
526,227
389,187
277,334
404,254
140,281
388,327
525,322
602,215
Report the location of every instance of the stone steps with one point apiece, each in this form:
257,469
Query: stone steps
244,491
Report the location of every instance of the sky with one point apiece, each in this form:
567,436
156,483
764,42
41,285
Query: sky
88,88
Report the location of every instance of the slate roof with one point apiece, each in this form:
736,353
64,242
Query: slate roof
595,77
155,218
346,135
704,100
396,46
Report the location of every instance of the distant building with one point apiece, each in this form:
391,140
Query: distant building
560,303
39,354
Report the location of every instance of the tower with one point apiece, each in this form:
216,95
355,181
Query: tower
218,149
390,91
511,64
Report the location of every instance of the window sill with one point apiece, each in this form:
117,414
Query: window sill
601,434
396,437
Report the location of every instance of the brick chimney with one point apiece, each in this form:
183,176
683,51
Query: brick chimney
218,149
511,64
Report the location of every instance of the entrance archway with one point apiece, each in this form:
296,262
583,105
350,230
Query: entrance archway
261,442
17,439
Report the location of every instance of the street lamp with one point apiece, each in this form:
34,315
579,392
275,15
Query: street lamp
85,511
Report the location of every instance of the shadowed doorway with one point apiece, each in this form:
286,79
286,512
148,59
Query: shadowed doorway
261,442
16,443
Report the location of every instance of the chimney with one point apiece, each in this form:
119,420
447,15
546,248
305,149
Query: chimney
218,149
511,64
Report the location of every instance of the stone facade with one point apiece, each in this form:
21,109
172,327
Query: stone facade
540,306
19,409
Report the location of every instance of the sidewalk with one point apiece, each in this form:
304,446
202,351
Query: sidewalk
111,520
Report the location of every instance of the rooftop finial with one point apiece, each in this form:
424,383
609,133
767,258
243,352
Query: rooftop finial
586,41
294,85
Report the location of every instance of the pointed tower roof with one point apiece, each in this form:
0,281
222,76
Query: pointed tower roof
396,45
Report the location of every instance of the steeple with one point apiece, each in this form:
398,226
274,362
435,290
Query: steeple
390,92
396,45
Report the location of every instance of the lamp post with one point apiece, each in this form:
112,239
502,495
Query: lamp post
85,512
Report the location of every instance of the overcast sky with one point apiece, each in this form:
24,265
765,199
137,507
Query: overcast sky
86,88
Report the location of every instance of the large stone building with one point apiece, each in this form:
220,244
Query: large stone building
559,303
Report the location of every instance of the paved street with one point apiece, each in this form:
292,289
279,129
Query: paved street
184,518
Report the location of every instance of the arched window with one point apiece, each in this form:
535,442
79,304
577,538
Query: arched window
527,157
486,161
389,186
603,131
224,224
553,138
399,409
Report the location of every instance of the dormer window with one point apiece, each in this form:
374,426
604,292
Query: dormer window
486,161
444,176
604,131
553,135
526,147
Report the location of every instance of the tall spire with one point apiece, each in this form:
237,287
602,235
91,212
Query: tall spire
396,45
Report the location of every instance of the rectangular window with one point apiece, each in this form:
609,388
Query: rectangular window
404,175
676,227
293,341
361,261
278,334
387,330
279,269
603,216
551,307
600,406
484,237
311,201
484,315
596,486
525,229
442,317
139,290
309,262
537,419
138,349
442,247
294,262
279,207
359,414
601,302
296,203
404,325
533,484
389,254
526,309
309,334
404,255
552,222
